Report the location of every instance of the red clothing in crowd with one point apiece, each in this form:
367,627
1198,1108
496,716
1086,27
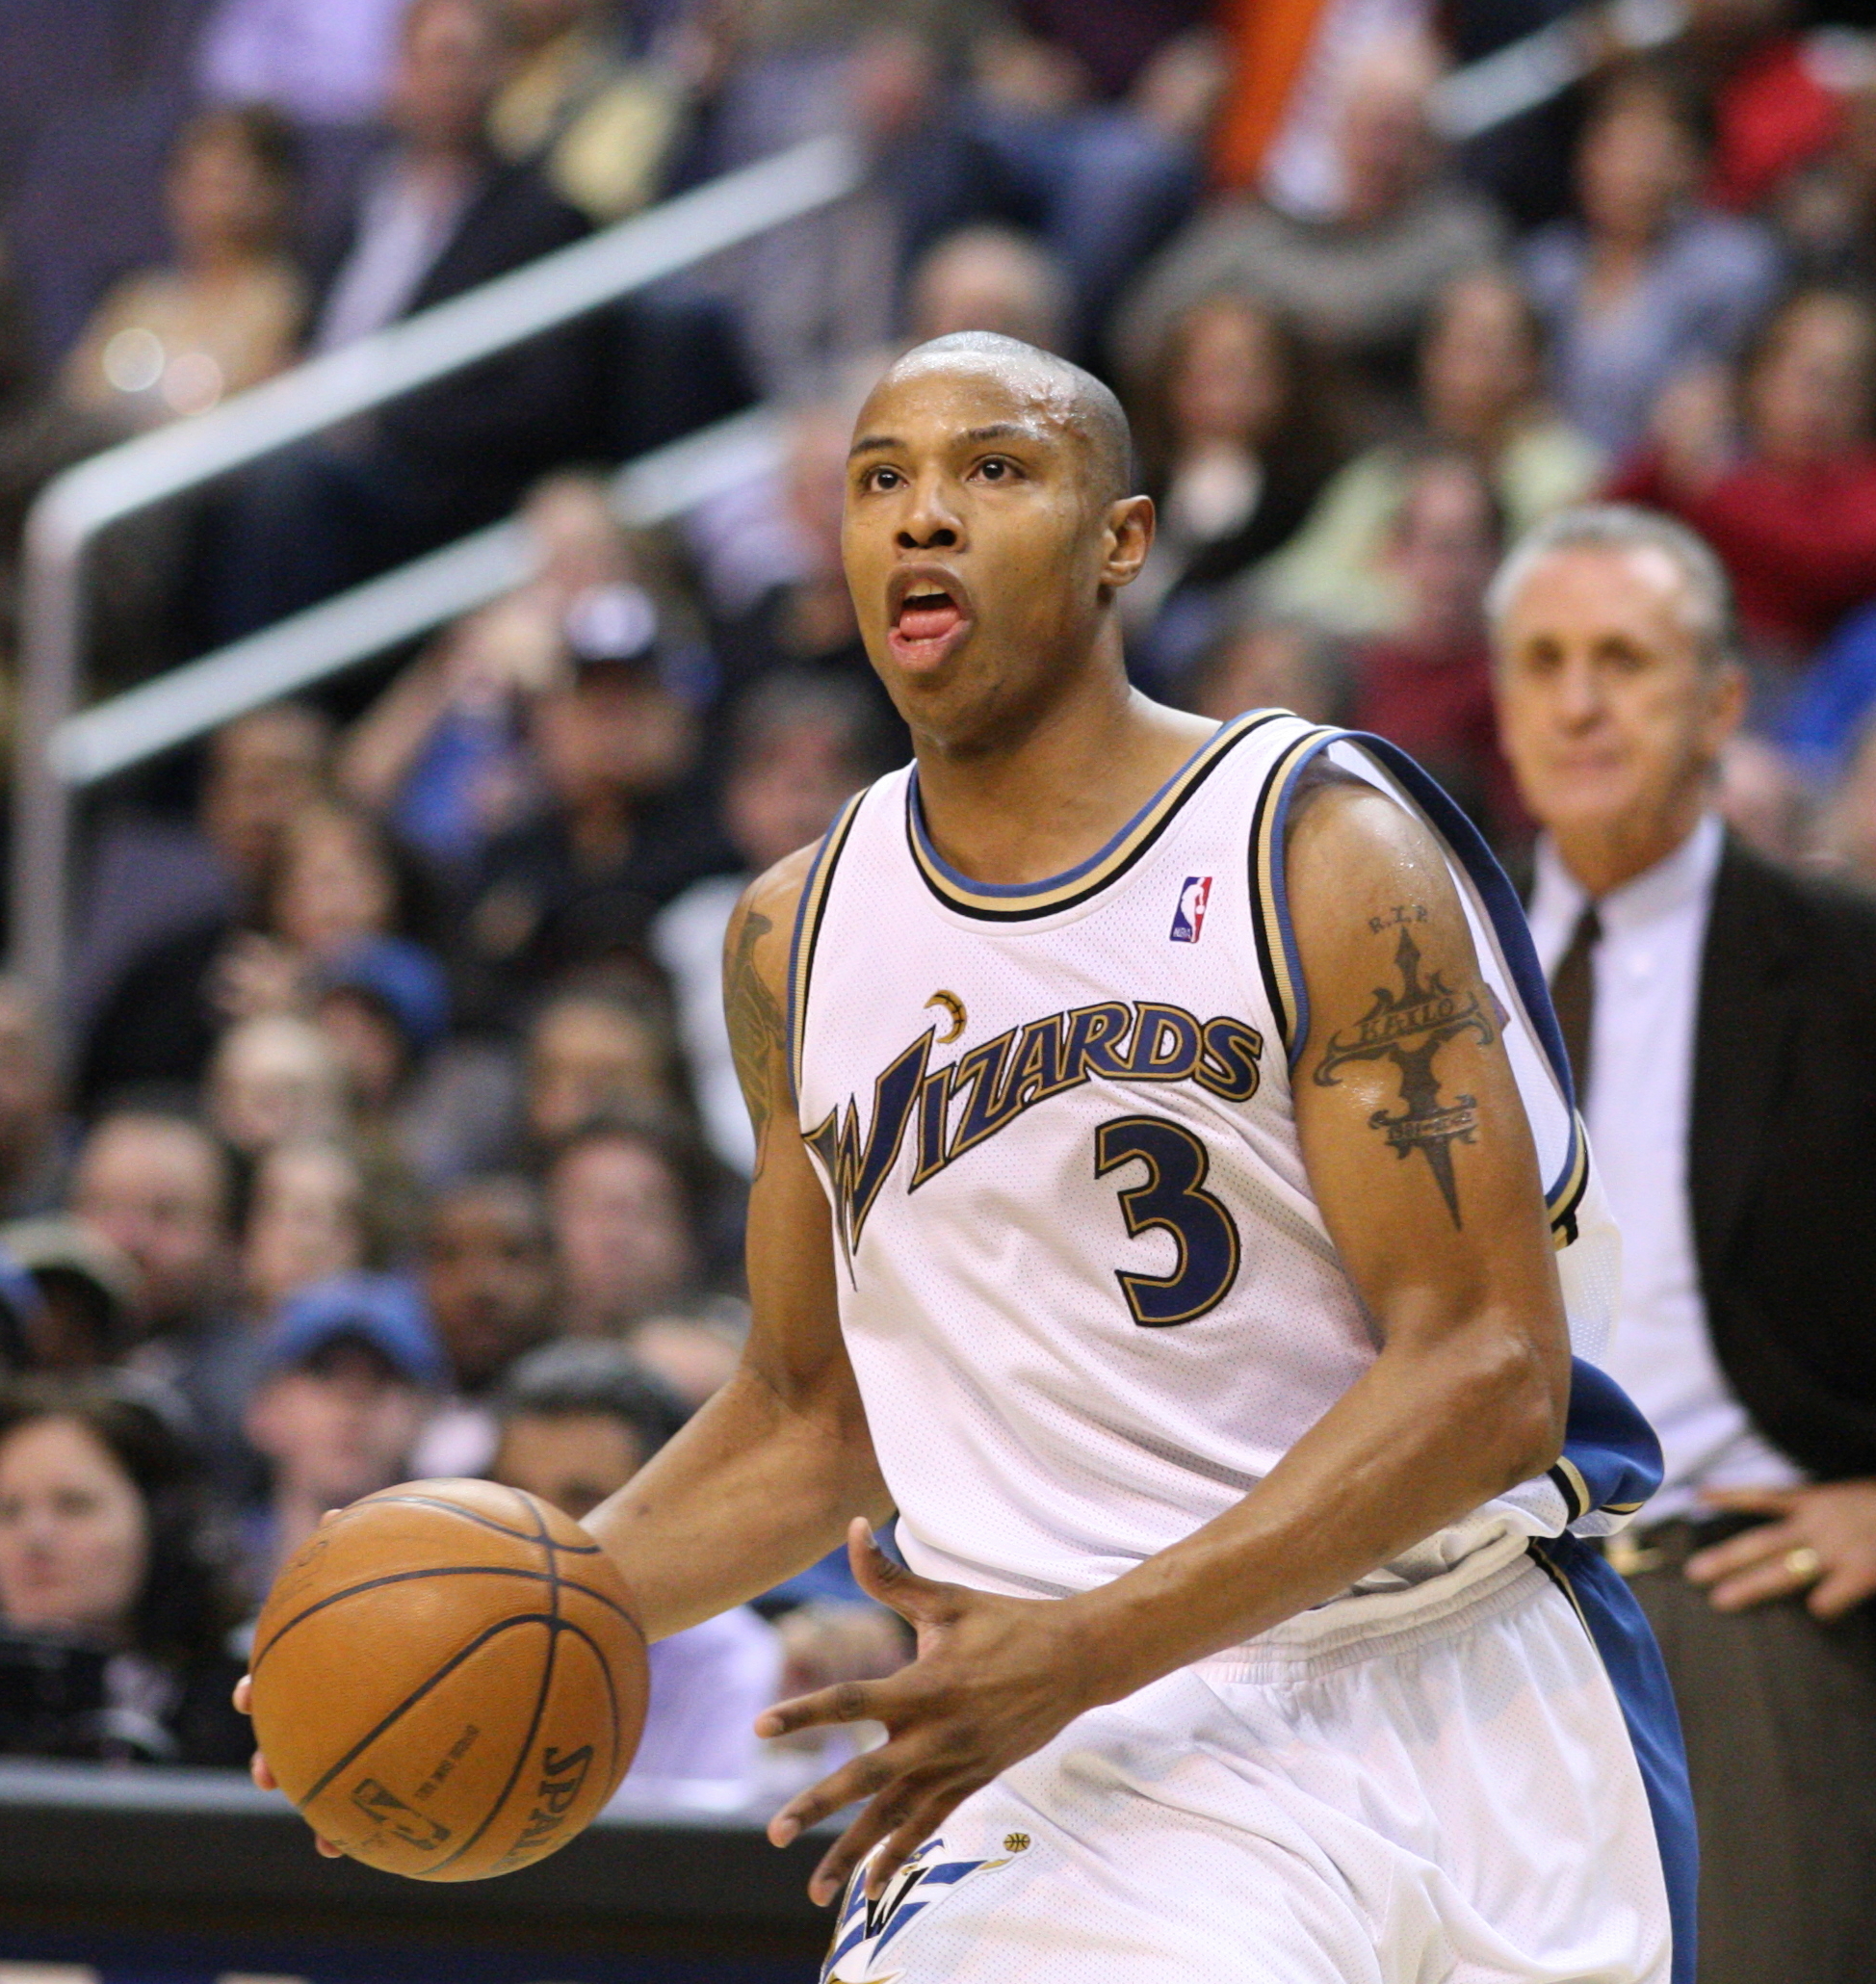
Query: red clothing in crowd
1800,545
1437,707
1774,113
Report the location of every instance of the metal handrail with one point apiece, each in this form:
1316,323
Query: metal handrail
73,510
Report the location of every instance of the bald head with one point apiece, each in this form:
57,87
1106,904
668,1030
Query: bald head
1076,400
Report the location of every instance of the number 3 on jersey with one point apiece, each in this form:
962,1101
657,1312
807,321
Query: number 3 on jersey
1172,1199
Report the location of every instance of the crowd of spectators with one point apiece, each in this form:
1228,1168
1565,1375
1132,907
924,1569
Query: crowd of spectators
387,1122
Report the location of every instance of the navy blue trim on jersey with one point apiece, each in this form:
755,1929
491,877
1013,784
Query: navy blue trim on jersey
1009,903
1620,1634
1611,1458
1283,977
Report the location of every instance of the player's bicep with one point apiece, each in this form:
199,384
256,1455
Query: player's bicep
1414,1134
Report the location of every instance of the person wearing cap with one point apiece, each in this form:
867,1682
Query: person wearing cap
348,1372
79,1309
624,823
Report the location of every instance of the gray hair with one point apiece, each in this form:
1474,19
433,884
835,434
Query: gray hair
1626,527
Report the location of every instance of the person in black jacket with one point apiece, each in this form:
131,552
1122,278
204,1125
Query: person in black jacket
115,1617
435,214
1721,1021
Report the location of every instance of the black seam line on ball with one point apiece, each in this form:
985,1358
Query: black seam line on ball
606,1674
444,1571
526,1749
453,1508
410,1700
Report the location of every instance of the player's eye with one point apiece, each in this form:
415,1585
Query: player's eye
881,479
996,468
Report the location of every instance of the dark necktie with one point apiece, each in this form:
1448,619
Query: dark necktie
1573,993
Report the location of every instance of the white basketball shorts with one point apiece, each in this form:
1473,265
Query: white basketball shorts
1456,1796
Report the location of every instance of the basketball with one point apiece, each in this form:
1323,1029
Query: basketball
449,1682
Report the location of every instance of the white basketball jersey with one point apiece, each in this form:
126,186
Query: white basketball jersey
1085,1288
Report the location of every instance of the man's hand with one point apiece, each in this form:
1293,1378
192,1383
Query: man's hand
1822,1539
995,1678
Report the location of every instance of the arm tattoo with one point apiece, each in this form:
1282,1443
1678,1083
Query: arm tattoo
758,1035
1408,1027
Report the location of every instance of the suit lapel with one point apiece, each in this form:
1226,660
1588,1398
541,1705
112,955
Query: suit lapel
1740,1044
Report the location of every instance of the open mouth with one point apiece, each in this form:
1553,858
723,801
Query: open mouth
929,614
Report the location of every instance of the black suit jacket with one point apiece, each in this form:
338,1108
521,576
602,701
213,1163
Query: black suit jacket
480,436
1782,1160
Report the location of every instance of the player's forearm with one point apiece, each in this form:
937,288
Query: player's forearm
1430,1434
753,1490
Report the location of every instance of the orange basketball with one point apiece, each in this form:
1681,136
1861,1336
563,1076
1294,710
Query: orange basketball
449,1682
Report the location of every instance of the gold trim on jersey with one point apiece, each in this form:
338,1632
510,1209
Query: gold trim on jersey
1022,902
807,931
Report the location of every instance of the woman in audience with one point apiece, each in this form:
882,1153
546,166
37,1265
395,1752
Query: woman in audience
1231,433
308,1218
1482,392
108,1593
228,314
623,1204
1647,283
1792,512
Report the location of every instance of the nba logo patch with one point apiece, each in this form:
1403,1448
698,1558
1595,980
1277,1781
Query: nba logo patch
1189,919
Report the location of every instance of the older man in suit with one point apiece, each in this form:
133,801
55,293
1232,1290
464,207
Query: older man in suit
1721,1019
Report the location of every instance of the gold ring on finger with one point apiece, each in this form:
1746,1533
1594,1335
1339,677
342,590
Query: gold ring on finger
1804,1564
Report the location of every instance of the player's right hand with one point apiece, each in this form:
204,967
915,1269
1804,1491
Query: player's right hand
257,1765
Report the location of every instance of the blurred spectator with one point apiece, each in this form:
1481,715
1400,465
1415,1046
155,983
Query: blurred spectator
988,278
160,1186
1846,830
1265,661
153,881
274,1079
1232,432
36,1135
307,1220
602,127
106,1582
335,883
1481,389
600,1050
1822,724
1721,1022
489,1281
381,1005
1648,284
1359,280
694,1349
436,215
87,1305
1428,687
578,1420
801,746
624,1212
443,753
347,1372
175,341
772,563
623,826
1794,517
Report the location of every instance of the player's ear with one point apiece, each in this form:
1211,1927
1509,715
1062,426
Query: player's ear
1131,524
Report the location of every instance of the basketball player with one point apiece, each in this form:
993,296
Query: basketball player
1209,1228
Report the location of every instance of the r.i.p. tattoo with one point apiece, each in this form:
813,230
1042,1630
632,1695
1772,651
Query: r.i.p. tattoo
1408,1027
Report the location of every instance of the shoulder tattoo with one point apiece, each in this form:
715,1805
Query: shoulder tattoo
757,1032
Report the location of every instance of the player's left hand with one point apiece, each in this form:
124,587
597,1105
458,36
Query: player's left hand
1821,1541
995,1678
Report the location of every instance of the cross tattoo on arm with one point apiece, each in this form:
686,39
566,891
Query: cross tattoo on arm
1408,1027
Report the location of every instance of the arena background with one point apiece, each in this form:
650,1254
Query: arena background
421,440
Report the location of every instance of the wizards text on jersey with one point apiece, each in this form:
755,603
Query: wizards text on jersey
953,1108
